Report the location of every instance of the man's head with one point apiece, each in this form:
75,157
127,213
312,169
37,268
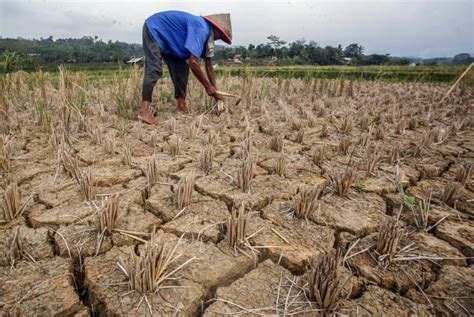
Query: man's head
218,35
221,25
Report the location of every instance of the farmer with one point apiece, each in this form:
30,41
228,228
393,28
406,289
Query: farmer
180,39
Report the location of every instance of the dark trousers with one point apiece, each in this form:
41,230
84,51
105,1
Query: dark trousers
178,68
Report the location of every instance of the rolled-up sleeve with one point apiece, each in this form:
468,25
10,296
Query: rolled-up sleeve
196,40
210,47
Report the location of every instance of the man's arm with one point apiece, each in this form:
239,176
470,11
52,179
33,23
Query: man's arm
197,71
211,75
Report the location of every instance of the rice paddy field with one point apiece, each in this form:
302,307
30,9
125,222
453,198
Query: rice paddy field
382,73
309,197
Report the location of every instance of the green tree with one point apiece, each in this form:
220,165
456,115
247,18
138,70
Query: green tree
353,50
11,61
275,41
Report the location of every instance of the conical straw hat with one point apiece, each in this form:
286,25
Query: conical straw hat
222,23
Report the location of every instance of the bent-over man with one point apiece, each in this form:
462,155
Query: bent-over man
180,39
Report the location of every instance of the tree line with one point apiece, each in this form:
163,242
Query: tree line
29,54
301,52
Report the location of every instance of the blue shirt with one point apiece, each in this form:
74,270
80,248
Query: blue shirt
179,33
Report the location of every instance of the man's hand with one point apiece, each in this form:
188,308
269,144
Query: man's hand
211,91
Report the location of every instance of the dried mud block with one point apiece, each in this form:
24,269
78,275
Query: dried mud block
112,172
393,202
46,289
409,174
89,153
200,221
190,147
139,149
451,150
276,187
213,265
264,189
187,170
431,170
235,147
134,191
399,276
430,166
298,167
109,293
452,292
452,172
436,213
134,219
262,291
166,164
53,196
220,188
431,246
377,301
51,182
359,214
85,239
423,189
80,240
462,200
162,202
232,165
458,234
215,184
27,172
305,239
379,185
221,149
64,215
106,192
222,152
35,243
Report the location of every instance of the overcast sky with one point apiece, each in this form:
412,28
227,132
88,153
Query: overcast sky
402,28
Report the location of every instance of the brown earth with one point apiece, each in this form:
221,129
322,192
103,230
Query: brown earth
68,268
451,293
109,294
48,290
379,301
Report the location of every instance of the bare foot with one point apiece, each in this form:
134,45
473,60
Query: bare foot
146,115
181,107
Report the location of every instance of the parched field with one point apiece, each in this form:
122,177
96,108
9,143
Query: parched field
309,197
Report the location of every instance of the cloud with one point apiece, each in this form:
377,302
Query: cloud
403,28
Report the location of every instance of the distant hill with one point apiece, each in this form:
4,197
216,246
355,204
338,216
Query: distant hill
83,50
459,59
